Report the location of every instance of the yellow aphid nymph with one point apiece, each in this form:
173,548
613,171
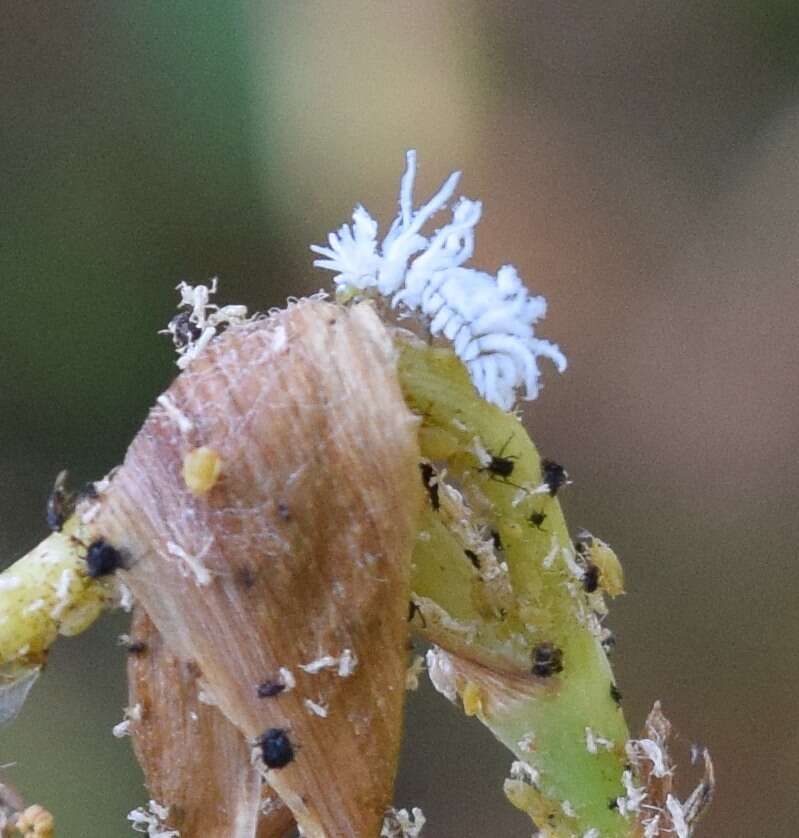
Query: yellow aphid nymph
472,699
201,469
611,575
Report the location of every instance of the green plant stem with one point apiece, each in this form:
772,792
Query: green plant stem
44,594
548,722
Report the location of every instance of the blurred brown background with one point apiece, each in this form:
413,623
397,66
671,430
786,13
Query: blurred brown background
639,164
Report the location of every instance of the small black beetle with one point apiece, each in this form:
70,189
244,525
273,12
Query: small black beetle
554,475
269,689
276,748
537,518
608,640
102,558
547,660
183,330
501,466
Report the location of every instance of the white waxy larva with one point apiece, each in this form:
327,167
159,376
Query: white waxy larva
489,319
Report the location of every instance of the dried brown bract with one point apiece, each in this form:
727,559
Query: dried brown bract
297,559
196,763
660,812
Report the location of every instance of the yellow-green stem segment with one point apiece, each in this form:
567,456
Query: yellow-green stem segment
46,593
566,726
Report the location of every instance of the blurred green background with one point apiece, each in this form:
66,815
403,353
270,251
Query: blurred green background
639,164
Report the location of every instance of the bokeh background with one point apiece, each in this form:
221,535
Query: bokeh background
639,164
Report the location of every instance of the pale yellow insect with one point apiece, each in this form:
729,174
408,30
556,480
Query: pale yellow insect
201,469
611,575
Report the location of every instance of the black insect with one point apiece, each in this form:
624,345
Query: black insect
183,330
102,558
497,539
269,689
89,491
537,518
501,466
590,577
608,641
473,558
615,694
430,482
136,647
276,748
613,803
60,503
554,475
547,660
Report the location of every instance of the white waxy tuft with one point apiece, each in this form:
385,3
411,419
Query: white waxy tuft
150,820
488,319
634,797
195,328
192,563
131,714
182,421
399,823
287,678
651,750
345,664
680,827
524,772
442,673
316,707
593,743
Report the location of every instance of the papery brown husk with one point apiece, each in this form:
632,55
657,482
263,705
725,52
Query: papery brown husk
195,761
306,536
660,786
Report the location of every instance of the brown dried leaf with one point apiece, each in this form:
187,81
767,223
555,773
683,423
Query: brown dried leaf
301,549
663,814
658,787
194,760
